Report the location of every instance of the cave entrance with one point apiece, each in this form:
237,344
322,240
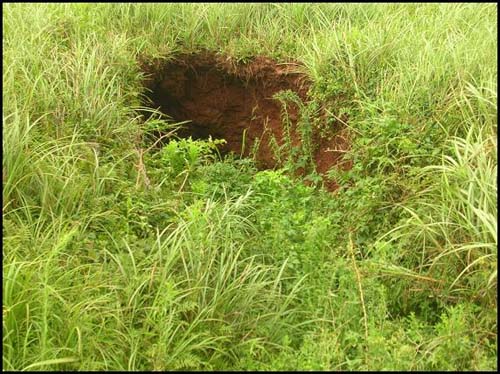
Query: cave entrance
225,100
222,99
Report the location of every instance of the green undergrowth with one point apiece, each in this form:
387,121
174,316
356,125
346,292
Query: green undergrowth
122,251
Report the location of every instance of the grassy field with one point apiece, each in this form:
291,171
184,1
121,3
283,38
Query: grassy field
119,256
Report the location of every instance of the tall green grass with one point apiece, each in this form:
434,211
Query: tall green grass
454,221
234,268
190,300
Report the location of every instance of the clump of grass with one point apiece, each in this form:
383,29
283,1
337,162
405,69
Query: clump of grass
454,220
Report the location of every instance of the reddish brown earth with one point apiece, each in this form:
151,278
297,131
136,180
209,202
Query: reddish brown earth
227,100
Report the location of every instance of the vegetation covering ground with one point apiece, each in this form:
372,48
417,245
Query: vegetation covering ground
122,256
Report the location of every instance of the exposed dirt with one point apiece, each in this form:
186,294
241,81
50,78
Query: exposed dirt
235,102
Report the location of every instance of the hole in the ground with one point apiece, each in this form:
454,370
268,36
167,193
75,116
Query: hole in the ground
234,102
226,101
